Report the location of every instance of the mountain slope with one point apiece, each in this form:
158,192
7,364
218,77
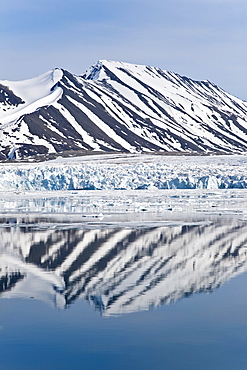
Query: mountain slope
117,106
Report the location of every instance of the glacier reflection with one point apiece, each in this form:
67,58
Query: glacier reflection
119,270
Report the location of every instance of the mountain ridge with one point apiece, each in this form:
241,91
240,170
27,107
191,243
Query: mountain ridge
122,107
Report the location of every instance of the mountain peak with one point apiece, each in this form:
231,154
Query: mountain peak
93,72
39,91
98,71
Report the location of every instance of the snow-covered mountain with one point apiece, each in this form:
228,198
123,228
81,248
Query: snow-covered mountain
120,270
120,107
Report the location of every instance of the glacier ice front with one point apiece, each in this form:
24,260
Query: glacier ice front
127,172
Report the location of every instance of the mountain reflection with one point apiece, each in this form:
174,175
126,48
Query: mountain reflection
120,270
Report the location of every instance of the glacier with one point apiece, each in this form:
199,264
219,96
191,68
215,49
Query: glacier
127,172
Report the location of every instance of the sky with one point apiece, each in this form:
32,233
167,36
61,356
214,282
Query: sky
200,39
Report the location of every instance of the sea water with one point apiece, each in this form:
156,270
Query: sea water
136,293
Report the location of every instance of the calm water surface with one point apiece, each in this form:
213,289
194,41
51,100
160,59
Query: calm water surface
166,297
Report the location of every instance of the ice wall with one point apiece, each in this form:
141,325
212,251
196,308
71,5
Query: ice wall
112,176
